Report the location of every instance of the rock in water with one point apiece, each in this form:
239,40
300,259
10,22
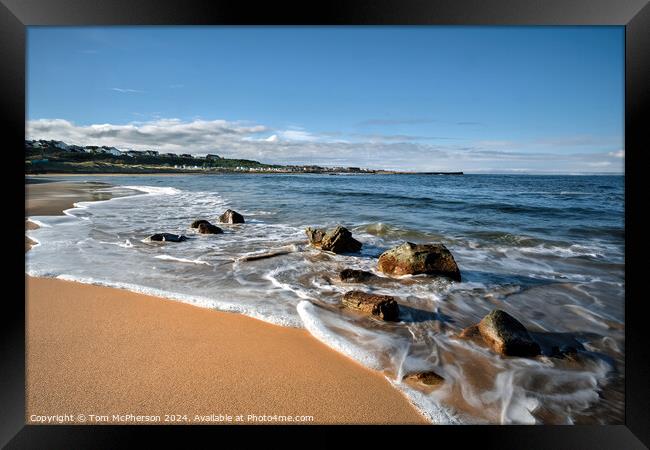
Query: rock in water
340,240
315,236
167,237
231,216
208,228
355,276
198,222
430,378
506,335
383,306
409,258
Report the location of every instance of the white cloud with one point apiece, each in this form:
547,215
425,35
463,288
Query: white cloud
298,135
618,154
168,134
234,139
136,91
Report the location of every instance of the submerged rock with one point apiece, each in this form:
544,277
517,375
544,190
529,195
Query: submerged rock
506,335
315,236
383,306
208,228
558,345
565,351
430,378
409,258
355,276
230,216
167,237
198,222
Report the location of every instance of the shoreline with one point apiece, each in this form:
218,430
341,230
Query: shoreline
96,350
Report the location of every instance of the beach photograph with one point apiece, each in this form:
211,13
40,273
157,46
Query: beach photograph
325,225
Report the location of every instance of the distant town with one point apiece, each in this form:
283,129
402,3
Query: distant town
50,156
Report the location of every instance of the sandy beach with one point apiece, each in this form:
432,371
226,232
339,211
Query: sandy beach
99,351
43,197
50,199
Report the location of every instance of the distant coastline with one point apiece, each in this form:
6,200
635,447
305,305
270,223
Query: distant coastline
57,157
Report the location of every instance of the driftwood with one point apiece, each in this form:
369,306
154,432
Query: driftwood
271,254
264,255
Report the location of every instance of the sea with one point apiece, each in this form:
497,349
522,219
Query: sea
549,250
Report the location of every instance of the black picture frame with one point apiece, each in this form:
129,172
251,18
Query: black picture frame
634,15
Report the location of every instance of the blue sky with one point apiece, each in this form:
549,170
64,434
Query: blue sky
478,99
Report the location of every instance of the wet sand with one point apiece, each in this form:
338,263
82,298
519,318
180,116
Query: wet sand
50,199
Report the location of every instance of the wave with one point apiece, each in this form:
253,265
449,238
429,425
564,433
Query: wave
502,242
324,326
38,222
506,391
126,244
79,207
155,190
387,231
230,305
183,260
505,237
572,251
310,319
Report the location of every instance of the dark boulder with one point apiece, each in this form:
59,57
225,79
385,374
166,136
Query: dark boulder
383,306
355,276
208,228
198,222
506,335
409,258
230,216
167,237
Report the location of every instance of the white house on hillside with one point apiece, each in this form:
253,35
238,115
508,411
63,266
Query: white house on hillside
111,151
61,145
